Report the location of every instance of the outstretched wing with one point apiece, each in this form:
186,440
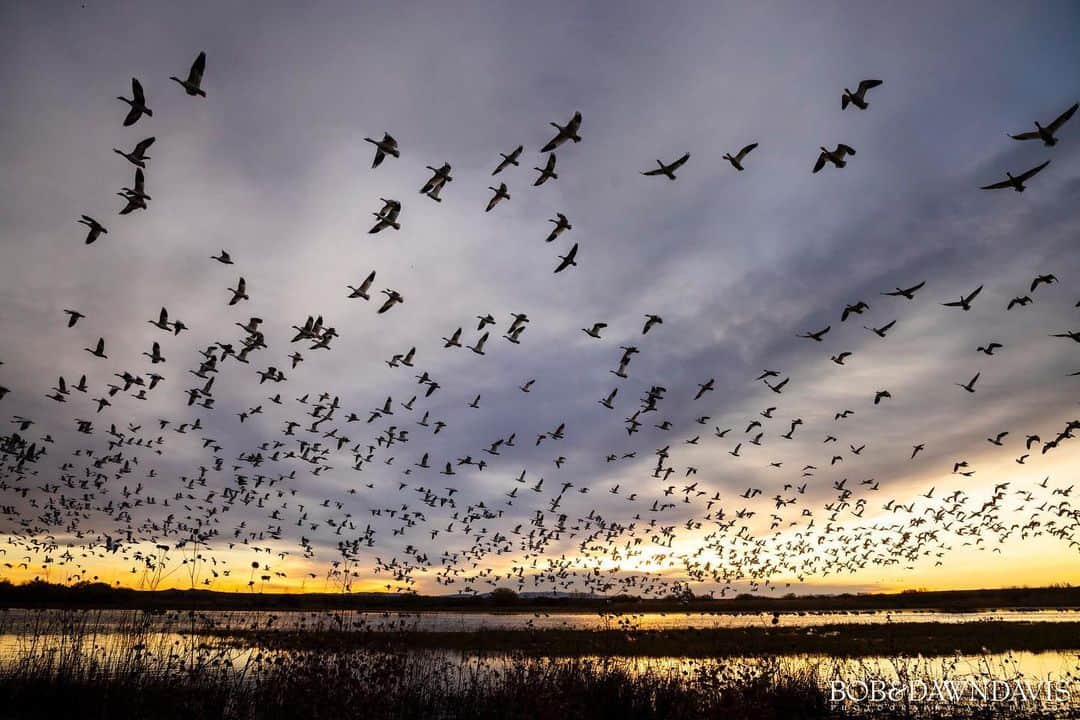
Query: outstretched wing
1062,119
197,69
1032,172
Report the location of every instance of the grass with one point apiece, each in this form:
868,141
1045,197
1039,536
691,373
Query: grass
63,665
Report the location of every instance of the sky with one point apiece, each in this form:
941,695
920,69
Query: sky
273,167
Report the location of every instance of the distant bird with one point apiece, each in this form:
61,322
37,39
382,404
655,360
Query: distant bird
73,317
500,194
881,395
1016,182
137,156
511,159
568,132
908,293
99,349
858,309
561,225
1049,279
387,216
1046,133
650,321
965,301
996,440
881,331
858,98
1021,301
387,146
669,169
362,290
193,85
96,229
916,449
240,293
224,258
817,336
137,104
568,259
594,331
970,385
989,348
736,161
547,172
478,347
440,176
393,297
839,359
836,157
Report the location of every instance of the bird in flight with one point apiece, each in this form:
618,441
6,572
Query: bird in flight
96,229
1046,133
858,98
137,156
908,293
970,385
501,193
511,159
193,85
817,336
568,132
387,146
669,169
547,172
568,259
965,301
736,160
137,104
1016,182
836,157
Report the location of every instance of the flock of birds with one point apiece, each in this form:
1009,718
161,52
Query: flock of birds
94,504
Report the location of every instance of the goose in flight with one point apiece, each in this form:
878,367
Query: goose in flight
668,170
137,103
650,321
393,297
387,146
608,402
568,259
816,336
155,354
858,309
1016,182
569,132
561,226
511,159
881,331
1049,279
240,293
478,347
162,322
839,359
224,258
858,98
907,293
454,340
440,176
546,172
836,157
500,194
882,395
99,349
73,317
736,160
1046,133
96,229
137,156
970,386
362,291
594,331
965,302
989,348
192,86
387,216
1021,301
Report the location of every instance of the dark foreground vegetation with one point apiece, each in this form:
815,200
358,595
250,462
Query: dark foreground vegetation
68,665
39,594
